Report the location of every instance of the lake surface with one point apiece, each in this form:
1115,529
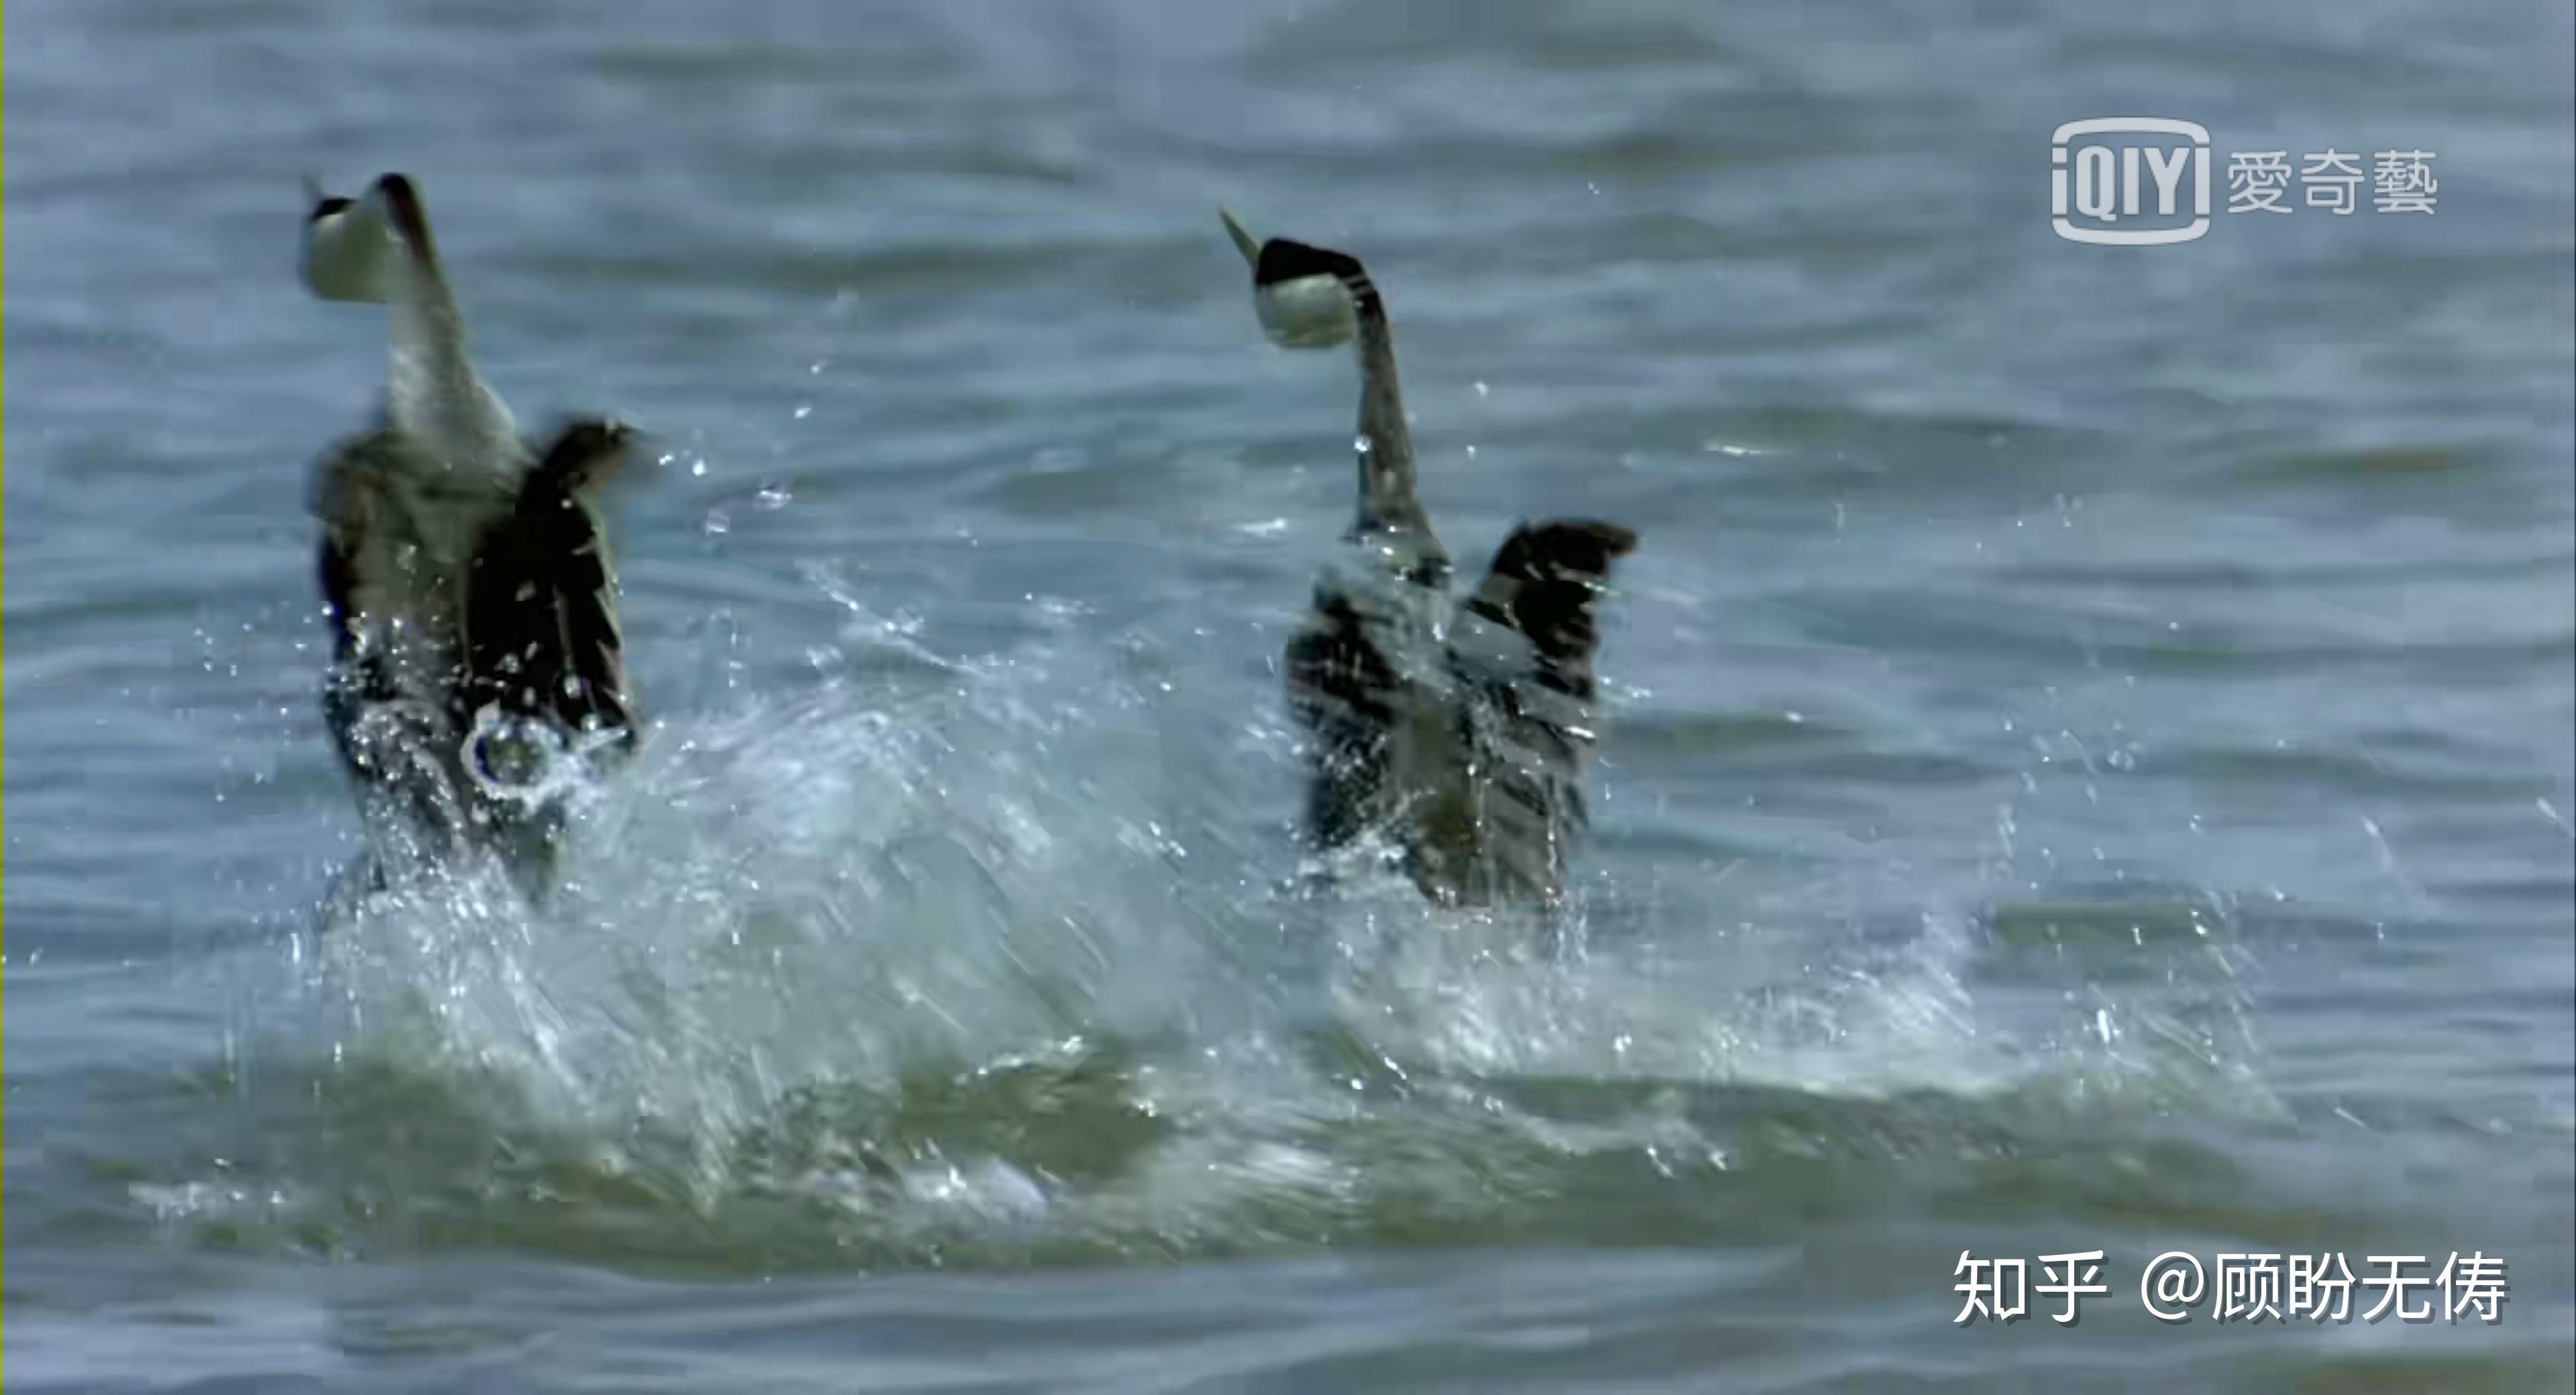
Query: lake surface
2090,756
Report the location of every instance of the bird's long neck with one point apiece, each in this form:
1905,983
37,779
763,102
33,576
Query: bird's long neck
1390,510
434,393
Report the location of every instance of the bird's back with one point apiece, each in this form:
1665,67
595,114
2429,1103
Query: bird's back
398,534
1462,734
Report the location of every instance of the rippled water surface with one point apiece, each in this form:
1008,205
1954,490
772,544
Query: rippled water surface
2088,761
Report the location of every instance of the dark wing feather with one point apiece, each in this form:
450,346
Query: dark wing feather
542,626
1522,651
1546,583
1344,691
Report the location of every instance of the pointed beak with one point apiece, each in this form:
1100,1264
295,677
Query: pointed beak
1244,242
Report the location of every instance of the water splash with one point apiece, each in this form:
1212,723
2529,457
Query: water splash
1003,958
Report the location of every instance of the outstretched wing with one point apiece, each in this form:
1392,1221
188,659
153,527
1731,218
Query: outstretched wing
1522,652
543,637
1344,690
1546,584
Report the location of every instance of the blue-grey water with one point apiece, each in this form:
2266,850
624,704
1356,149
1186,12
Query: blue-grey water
2087,762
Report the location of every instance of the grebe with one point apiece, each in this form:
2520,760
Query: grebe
1460,728
470,590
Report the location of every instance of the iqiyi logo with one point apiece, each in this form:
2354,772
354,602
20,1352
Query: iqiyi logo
2129,181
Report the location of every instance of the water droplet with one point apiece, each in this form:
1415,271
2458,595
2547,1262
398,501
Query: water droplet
1483,389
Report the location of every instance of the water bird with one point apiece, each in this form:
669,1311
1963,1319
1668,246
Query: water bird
1460,728
478,662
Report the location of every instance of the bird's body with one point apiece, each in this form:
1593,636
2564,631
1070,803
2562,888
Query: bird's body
467,578
1459,729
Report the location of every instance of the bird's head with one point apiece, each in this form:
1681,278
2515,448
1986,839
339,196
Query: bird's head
1308,297
349,244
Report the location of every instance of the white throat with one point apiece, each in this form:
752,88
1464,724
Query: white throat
434,395
433,392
